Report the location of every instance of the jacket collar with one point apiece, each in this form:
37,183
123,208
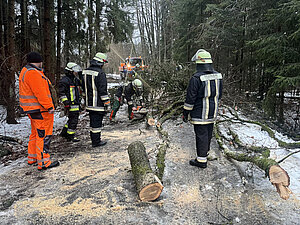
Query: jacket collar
33,66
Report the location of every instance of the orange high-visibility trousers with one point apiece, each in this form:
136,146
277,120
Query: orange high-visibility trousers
40,138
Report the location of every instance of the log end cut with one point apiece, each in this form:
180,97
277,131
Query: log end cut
281,180
151,192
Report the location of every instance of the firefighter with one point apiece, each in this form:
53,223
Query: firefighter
36,101
69,94
132,88
203,94
97,100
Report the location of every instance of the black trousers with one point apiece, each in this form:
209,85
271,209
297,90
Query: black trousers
96,119
203,138
71,125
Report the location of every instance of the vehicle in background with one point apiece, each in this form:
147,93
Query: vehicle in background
130,65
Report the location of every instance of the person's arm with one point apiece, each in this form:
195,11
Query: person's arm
102,88
191,96
40,88
63,89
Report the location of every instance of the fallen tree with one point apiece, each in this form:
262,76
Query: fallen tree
256,155
148,185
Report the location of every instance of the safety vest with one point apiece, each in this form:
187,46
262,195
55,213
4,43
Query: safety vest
34,90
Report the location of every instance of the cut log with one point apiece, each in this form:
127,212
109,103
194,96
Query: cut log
281,180
148,186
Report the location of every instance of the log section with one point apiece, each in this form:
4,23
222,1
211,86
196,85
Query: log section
148,185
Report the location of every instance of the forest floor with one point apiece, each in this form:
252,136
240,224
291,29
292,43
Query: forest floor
96,186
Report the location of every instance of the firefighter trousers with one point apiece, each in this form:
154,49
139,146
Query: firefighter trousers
71,125
40,138
203,137
95,126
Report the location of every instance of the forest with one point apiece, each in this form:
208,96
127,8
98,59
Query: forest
255,44
142,176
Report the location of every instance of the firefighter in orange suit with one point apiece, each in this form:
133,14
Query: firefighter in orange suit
36,101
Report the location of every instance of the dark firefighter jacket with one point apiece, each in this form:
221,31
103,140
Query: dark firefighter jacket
203,95
128,91
69,91
95,87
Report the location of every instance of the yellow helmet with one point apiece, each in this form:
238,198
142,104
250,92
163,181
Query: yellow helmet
202,57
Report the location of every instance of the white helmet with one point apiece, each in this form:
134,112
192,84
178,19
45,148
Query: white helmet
101,57
73,67
202,57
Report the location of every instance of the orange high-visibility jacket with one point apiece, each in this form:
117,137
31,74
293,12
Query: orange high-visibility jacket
34,90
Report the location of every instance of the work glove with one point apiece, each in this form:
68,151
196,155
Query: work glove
185,116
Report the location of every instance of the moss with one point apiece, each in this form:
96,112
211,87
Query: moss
160,160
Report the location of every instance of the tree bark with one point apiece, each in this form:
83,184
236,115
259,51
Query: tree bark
58,42
10,82
47,40
147,183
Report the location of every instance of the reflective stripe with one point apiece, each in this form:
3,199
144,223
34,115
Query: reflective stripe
188,106
95,93
72,93
104,97
74,109
207,100
70,131
95,130
33,139
23,78
201,159
31,155
66,125
27,96
90,72
44,160
49,96
63,98
31,160
30,104
213,76
202,121
95,108
216,97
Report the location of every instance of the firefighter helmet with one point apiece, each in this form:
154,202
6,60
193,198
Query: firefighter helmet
73,67
101,57
202,56
137,84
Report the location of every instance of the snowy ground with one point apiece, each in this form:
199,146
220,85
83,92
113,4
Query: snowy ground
252,135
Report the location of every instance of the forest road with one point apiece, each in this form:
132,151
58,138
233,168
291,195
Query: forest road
96,186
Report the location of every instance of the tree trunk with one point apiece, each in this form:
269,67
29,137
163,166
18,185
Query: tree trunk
24,30
147,183
47,40
58,42
90,28
10,85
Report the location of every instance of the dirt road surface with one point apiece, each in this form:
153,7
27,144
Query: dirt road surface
96,186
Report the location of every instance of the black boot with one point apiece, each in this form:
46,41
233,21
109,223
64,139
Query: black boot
53,164
63,133
101,143
195,162
71,137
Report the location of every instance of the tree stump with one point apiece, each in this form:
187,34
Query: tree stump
148,185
